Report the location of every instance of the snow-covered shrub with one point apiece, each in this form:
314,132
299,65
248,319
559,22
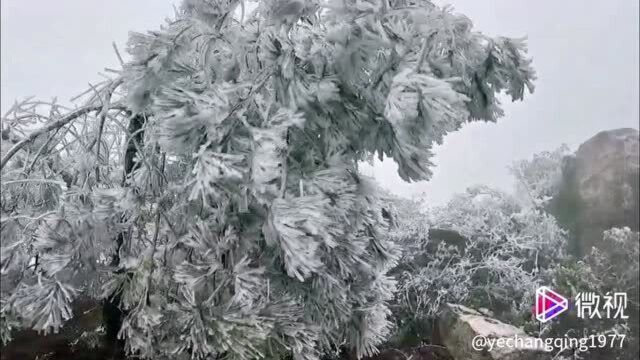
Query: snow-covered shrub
483,250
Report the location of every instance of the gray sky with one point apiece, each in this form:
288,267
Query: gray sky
585,53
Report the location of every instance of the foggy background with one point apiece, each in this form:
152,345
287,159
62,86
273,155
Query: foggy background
585,53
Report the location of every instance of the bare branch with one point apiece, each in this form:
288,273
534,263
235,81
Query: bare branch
115,48
103,116
53,126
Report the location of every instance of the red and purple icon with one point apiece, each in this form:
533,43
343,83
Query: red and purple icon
549,304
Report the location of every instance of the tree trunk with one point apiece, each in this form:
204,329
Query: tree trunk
112,314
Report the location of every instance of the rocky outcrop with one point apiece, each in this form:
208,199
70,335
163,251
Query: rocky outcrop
449,237
470,335
600,188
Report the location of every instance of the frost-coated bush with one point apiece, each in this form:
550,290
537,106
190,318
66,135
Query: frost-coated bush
601,273
497,264
210,190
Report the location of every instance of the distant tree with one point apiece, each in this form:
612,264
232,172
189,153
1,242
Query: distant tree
217,171
547,182
539,179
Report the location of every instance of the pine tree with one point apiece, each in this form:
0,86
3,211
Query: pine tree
210,190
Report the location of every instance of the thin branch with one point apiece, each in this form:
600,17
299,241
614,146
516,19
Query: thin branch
115,48
51,126
96,94
20,181
103,116
283,179
27,217
423,51
41,149
156,231
84,92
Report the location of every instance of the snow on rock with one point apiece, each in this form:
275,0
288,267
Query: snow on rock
461,327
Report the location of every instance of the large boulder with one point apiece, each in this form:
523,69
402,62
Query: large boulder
470,335
600,187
